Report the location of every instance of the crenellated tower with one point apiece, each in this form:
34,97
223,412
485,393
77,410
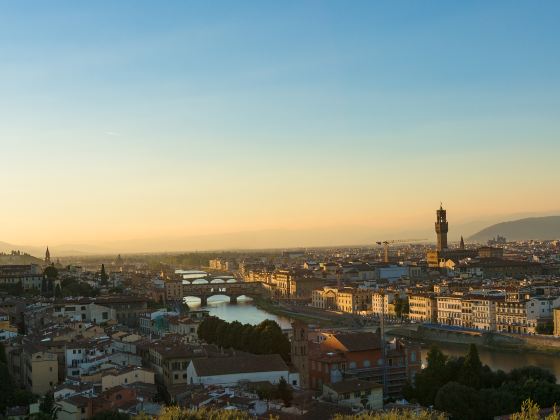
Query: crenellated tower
441,228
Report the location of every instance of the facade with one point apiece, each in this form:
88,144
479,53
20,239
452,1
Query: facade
40,370
556,320
353,300
324,298
484,312
341,356
232,370
442,228
84,310
423,308
450,310
354,393
126,376
511,317
384,303
26,276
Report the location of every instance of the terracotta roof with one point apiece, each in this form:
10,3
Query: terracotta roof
352,385
358,341
239,364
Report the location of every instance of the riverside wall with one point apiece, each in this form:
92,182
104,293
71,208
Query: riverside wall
480,338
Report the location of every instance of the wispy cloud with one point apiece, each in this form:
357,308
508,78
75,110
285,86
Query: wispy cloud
112,133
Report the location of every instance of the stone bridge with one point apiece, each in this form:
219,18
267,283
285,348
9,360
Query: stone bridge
232,290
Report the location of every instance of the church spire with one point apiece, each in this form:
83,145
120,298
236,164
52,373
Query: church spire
48,256
462,244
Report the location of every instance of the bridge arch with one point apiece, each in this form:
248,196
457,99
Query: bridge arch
199,281
217,281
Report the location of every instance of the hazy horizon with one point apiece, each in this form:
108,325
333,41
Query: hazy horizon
130,123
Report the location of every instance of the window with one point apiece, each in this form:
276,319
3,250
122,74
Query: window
367,363
352,365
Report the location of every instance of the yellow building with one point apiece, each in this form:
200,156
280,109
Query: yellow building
353,300
126,376
40,370
422,307
556,317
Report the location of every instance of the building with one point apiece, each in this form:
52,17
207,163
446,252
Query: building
127,308
27,277
484,312
232,370
422,307
341,356
385,303
125,376
355,394
556,320
353,300
450,310
511,317
85,309
39,369
490,252
301,288
324,298
441,228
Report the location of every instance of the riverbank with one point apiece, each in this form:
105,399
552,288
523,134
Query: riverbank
325,319
489,340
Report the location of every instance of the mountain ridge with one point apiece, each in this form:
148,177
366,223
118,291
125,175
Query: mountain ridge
538,228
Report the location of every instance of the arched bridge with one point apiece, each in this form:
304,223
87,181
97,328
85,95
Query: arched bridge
233,290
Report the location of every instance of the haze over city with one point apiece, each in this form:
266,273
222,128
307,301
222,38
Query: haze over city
141,124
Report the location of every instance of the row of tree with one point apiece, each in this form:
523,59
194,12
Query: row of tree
264,338
467,389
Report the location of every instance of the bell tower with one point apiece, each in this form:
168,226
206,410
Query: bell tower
441,228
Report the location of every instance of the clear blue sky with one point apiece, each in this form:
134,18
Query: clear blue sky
289,114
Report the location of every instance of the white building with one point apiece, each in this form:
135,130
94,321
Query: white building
354,393
229,371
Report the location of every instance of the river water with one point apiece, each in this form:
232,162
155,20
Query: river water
245,312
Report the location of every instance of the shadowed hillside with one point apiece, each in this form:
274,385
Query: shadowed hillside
530,228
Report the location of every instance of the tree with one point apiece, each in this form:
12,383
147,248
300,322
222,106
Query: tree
51,273
47,403
285,392
110,415
104,277
469,374
461,401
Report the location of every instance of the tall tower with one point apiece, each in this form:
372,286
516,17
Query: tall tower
462,244
48,256
441,228
300,352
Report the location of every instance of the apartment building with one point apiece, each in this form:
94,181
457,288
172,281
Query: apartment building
450,310
484,312
353,300
422,307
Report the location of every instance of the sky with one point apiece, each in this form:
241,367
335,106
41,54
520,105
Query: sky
136,119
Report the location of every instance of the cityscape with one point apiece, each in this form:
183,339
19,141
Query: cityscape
312,210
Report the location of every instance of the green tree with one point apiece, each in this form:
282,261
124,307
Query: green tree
51,273
110,415
461,401
470,372
104,277
47,404
285,392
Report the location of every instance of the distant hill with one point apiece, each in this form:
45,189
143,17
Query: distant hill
540,228
8,259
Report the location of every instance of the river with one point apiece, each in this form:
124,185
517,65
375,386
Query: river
245,312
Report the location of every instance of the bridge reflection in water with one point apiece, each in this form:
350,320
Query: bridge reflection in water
203,291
